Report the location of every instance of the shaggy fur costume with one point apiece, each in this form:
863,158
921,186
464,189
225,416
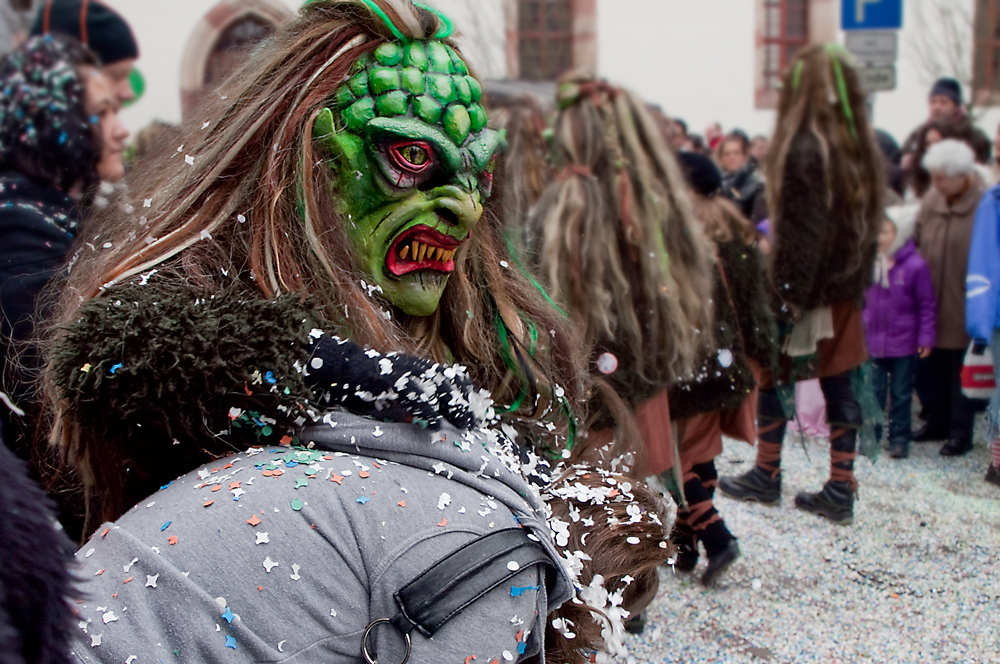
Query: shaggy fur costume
35,614
809,246
747,333
167,379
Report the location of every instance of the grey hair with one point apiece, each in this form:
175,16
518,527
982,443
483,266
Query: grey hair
950,157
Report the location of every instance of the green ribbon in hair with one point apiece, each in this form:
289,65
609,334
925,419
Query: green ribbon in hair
836,52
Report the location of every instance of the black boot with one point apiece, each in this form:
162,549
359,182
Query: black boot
720,562
993,475
834,502
687,554
757,484
928,434
636,624
956,447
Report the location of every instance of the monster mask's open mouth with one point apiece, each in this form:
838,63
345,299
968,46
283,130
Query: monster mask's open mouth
422,248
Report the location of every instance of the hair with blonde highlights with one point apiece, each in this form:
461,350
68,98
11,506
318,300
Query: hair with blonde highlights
822,99
615,239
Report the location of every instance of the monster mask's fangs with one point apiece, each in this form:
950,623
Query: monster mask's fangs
422,248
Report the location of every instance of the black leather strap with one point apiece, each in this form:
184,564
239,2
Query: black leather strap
443,590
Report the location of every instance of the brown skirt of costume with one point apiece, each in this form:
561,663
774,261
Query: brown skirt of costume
847,349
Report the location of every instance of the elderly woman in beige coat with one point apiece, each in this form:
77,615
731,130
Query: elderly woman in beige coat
943,236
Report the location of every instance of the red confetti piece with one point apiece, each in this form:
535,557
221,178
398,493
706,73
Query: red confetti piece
127,580
469,659
216,488
327,457
234,485
202,485
227,466
215,470
260,588
277,473
267,473
105,532
247,390
363,474
337,478
115,596
380,467
208,503
172,539
444,522
101,572
286,440
254,520
402,503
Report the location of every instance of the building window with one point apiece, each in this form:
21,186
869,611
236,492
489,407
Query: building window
986,49
545,38
785,31
234,46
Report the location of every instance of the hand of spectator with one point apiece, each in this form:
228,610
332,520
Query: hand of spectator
923,352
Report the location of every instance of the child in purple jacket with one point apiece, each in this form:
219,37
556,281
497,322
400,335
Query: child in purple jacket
900,317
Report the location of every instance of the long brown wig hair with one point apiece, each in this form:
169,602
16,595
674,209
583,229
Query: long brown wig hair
614,235
247,195
822,99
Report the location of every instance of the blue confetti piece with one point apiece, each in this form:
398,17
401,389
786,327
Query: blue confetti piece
269,377
520,647
517,591
363,499
116,367
166,485
231,642
291,464
228,615
165,526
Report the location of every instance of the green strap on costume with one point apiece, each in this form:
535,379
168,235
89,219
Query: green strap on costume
529,276
836,52
446,29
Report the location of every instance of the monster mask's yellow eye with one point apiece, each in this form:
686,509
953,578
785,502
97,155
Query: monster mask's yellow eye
414,155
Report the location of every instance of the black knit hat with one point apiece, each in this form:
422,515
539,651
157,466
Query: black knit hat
948,87
98,26
701,173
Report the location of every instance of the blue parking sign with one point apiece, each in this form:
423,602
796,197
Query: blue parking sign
871,14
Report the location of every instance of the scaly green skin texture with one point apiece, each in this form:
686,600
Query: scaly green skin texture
411,154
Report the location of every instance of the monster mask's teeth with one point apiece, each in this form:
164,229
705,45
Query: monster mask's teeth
423,252
414,248
438,254
405,252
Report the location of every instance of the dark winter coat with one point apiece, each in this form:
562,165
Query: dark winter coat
744,187
943,235
37,227
901,318
35,587
814,262
724,378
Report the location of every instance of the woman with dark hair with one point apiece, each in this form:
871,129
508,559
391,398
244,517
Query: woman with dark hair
741,182
299,289
59,137
825,186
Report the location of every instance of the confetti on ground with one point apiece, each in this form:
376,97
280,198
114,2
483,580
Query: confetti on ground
916,578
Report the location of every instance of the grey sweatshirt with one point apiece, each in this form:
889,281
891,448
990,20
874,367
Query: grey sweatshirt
282,554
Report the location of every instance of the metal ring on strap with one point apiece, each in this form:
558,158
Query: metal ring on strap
369,659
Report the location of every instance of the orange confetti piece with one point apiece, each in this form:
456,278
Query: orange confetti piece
337,478
127,580
286,440
363,474
895,596
614,492
208,503
267,473
260,588
380,468
254,520
247,390
172,539
215,470
116,594
105,532
402,503
517,637
495,661
444,522
277,473
234,485
227,466
469,659
327,457
101,572
216,488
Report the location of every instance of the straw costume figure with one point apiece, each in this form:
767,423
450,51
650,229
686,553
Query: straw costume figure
315,284
825,183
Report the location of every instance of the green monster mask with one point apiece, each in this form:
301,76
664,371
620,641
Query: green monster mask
414,162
